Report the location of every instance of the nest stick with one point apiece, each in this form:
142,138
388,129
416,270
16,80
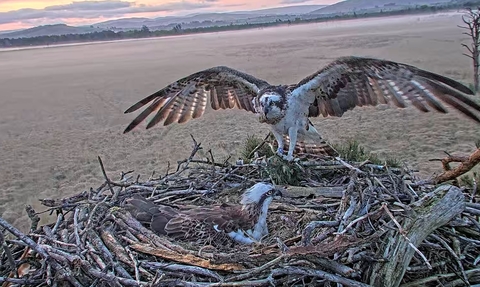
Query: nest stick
23,238
433,214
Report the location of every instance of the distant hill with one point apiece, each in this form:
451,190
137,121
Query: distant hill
9,31
349,6
162,23
297,10
136,23
217,22
123,22
167,23
209,17
48,30
158,23
236,19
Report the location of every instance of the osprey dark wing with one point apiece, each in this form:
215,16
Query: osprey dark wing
186,98
349,82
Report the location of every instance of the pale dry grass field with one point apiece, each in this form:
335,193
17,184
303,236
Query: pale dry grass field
61,107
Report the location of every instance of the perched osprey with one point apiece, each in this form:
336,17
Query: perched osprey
340,86
244,223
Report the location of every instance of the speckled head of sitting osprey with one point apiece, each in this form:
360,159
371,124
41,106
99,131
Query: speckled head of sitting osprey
259,196
271,103
256,201
258,193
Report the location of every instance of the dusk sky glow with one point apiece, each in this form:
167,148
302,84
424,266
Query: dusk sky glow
16,14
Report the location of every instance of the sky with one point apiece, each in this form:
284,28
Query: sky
17,14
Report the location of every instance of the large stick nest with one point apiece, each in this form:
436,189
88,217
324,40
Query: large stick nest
343,223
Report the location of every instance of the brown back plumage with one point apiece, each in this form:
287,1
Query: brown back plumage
195,224
349,82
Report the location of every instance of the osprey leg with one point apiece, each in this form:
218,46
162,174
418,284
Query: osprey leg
292,134
279,138
240,237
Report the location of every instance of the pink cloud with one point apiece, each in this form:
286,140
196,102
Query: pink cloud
89,12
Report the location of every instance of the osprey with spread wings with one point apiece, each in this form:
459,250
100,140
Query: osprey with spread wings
342,85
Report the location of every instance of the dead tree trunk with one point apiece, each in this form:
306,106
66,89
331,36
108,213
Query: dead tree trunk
472,22
436,210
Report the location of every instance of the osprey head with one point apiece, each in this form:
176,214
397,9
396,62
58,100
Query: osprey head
256,201
270,104
261,194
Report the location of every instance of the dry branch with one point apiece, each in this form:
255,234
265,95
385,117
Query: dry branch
466,164
471,19
348,223
425,219
185,258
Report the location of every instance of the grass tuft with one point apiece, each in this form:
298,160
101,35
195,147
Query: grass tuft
250,144
283,172
351,150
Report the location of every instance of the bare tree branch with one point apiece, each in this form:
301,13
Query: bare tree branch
472,20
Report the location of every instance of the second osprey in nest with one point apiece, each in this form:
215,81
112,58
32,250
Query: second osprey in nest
340,86
243,223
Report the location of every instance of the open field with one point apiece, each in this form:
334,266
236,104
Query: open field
63,106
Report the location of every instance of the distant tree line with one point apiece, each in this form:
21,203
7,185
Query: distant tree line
145,32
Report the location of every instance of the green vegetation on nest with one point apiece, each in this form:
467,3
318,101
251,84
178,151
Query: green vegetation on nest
251,143
351,150
282,172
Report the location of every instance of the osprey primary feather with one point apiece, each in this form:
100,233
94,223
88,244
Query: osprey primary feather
340,86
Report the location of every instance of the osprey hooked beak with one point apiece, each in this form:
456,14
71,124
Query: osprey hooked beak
266,110
277,192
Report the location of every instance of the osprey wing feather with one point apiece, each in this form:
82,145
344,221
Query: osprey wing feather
189,224
215,224
186,224
349,82
186,99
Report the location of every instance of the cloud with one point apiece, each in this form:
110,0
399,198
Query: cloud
90,6
294,1
97,9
